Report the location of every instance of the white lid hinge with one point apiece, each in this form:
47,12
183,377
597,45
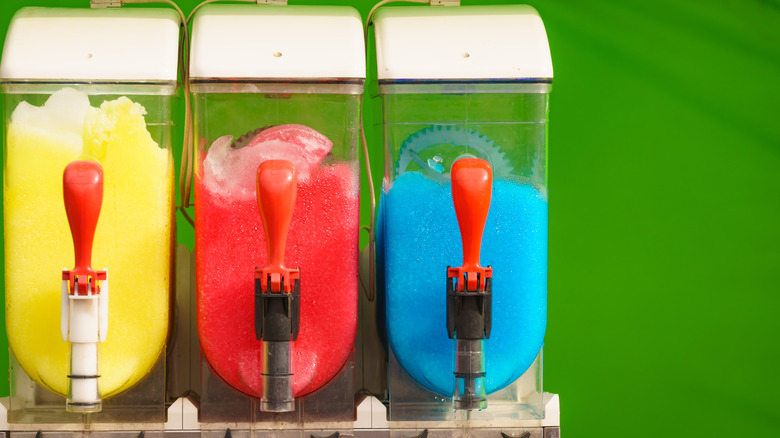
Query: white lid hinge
98,4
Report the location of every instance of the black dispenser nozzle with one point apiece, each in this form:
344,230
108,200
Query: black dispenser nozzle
468,322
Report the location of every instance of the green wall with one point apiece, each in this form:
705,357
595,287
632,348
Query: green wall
664,282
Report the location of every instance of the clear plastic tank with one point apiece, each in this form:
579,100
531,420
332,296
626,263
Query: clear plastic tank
301,376
435,114
427,129
124,125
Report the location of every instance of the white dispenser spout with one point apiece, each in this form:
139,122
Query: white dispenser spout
84,322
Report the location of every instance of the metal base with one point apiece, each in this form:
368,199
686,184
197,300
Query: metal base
371,422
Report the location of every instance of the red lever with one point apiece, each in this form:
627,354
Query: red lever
82,189
277,182
472,181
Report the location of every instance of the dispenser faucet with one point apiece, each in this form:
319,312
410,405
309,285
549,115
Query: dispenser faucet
84,318
469,289
277,288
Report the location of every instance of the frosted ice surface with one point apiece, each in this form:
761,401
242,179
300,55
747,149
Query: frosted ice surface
313,146
61,118
63,111
27,114
232,172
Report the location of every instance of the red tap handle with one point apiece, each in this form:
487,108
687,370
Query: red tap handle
82,190
276,188
472,181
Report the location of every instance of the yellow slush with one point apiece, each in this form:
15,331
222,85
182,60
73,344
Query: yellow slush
133,237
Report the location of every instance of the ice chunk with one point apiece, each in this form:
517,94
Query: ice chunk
304,146
232,172
67,109
218,166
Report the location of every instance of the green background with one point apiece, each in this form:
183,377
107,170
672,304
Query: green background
664,264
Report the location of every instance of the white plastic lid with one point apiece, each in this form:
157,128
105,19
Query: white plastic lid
464,42
277,42
62,44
